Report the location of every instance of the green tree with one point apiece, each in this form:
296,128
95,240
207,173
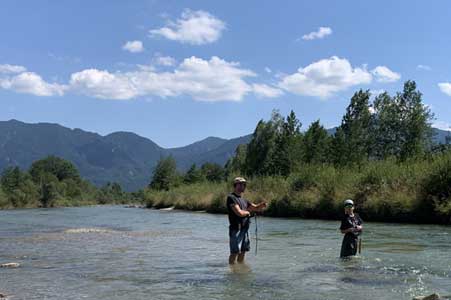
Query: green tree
355,129
387,124
260,150
72,188
237,163
11,179
18,186
287,146
213,172
401,125
193,175
60,168
416,117
165,174
48,189
316,144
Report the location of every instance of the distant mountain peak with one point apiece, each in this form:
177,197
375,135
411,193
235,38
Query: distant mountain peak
122,156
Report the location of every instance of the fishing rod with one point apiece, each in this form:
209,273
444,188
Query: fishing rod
360,244
256,234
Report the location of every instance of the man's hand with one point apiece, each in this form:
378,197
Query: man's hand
262,206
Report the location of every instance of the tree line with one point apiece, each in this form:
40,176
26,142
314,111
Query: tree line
397,126
382,155
53,181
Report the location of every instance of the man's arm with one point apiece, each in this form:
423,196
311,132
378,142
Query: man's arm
344,231
257,207
240,212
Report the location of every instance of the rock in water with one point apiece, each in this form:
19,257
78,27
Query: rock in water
2,296
10,265
430,297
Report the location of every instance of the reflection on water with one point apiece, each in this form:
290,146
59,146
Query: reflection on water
122,253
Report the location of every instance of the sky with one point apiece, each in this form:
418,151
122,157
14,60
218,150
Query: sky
179,71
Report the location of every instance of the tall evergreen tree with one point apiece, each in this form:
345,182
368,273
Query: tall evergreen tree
355,128
287,146
165,174
11,179
260,150
416,117
316,143
237,163
193,175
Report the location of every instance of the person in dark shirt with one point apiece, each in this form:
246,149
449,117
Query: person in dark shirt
239,212
351,227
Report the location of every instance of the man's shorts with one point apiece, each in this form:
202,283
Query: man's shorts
239,240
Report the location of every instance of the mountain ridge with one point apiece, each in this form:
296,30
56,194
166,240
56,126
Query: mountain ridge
121,156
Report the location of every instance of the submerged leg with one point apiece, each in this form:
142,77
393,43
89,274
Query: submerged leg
348,247
241,257
232,258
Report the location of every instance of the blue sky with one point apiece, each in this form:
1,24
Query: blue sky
179,71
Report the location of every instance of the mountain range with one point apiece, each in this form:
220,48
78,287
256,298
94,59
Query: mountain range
122,157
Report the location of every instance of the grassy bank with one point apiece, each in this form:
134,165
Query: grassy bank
412,191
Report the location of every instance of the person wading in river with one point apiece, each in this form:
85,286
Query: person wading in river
239,211
351,227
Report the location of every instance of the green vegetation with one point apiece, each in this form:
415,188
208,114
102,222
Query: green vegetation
52,182
381,155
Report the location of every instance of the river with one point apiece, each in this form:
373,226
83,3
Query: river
112,252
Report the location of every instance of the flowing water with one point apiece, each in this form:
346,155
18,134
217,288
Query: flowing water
123,253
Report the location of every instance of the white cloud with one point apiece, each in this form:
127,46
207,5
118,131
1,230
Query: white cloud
424,67
445,87
268,70
384,74
133,46
204,80
194,27
212,80
263,90
102,84
164,60
11,69
32,83
321,33
324,78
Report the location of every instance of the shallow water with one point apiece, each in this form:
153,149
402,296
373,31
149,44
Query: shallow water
124,253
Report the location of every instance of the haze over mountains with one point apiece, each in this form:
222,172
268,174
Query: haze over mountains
122,157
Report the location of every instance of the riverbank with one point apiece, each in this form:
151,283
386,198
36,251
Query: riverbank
416,191
386,191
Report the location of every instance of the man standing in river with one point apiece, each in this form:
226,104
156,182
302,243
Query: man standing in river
239,211
351,227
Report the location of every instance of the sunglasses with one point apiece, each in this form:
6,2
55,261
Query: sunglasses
349,205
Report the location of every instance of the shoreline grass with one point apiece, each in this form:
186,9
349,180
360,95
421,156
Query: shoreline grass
384,191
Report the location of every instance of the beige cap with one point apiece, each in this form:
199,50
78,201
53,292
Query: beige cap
239,180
